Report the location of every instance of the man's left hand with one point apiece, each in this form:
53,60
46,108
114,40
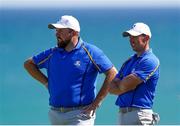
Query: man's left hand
91,109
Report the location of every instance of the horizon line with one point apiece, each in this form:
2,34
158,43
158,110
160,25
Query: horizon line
89,4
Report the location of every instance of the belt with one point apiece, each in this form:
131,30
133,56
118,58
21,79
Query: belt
128,109
66,109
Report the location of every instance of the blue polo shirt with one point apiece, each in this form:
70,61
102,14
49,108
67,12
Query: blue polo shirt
146,67
72,75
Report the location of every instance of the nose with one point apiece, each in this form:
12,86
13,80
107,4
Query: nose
58,34
131,39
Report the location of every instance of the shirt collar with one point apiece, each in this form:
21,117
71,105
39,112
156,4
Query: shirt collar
80,42
60,49
145,53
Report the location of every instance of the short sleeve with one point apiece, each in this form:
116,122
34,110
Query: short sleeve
41,59
146,68
101,60
104,63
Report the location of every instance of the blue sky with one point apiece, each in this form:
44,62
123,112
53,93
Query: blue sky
87,3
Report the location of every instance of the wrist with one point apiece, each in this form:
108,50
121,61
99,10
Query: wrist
98,103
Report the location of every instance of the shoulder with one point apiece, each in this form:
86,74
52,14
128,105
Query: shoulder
93,49
150,60
50,50
45,53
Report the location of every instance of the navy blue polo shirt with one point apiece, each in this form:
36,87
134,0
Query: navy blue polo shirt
146,67
72,75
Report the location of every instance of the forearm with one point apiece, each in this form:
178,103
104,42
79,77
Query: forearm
114,87
105,87
102,94
119,87
35,72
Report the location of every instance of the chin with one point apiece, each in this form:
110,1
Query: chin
134,50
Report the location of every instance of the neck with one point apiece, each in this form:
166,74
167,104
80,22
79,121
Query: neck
72,44
142,51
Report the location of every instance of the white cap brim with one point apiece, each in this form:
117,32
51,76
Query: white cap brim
54,26
131,32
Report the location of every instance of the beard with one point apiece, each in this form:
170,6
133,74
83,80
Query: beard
63,44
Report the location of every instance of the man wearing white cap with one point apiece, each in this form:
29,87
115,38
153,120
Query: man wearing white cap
136,81
72,67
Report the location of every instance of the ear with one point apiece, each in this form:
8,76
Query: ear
75,33
146,38
72,33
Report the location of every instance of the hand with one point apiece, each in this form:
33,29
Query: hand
91,109
114,87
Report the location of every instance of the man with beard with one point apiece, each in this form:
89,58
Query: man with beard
72,67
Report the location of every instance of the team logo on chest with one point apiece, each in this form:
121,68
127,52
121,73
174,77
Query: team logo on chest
77,63
133,70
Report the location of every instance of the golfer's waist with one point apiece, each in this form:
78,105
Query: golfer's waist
130,109
67,109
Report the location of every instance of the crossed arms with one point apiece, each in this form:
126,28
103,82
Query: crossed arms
128,83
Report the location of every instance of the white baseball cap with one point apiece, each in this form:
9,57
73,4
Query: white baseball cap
138,29
66,21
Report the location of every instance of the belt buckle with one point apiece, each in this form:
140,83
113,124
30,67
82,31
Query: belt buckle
61,109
